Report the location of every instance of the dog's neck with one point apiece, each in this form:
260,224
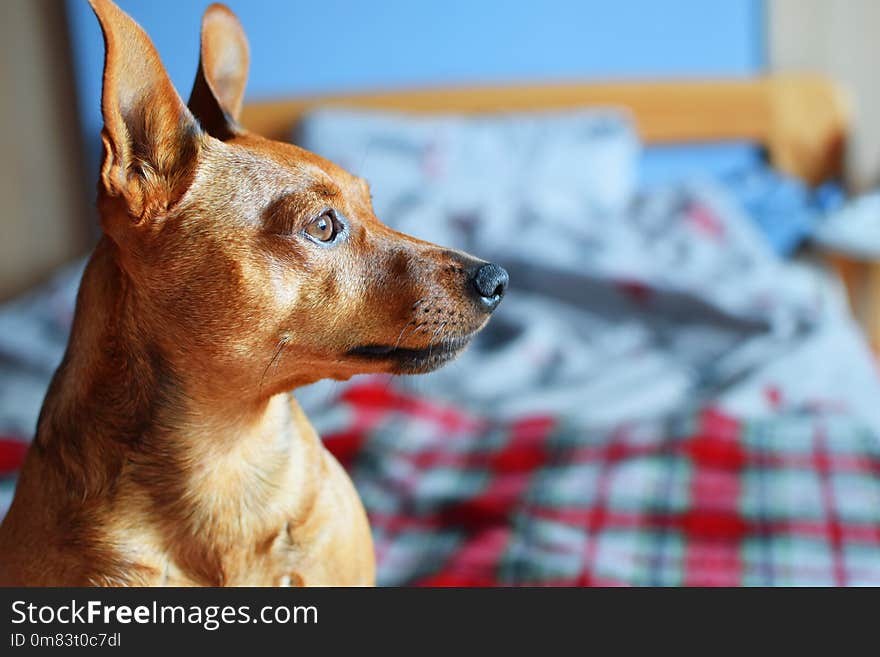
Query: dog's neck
120,408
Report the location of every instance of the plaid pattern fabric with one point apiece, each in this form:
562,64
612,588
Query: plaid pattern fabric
699,500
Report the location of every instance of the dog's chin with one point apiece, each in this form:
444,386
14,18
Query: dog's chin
405,360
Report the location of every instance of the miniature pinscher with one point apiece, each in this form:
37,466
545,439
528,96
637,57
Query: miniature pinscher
232,269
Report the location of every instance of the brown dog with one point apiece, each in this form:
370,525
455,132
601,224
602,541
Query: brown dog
232,269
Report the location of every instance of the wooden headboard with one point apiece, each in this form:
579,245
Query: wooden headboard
802,121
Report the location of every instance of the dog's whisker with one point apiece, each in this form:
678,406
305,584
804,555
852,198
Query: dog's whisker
282,343
434,335
417,327
402,331
277,357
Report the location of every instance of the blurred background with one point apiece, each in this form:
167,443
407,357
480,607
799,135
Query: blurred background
53,57
680,391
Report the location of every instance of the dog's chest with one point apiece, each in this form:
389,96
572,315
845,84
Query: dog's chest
281,512
312,531
268,557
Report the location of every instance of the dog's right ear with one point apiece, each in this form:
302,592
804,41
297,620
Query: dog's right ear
151,140
218,90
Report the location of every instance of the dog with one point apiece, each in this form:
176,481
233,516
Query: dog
232,269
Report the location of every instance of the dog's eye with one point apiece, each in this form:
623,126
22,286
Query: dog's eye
322,228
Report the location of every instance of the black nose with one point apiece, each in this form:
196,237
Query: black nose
490,282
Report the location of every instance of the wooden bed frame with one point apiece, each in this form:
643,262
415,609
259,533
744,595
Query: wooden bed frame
802,121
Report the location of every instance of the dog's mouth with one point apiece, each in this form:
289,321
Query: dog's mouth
405,360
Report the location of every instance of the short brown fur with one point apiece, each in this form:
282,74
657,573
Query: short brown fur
169,449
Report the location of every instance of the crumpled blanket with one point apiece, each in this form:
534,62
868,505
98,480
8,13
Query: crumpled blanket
701,498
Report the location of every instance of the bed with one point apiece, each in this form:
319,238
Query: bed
660,400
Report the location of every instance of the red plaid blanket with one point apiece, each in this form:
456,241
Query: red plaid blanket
702,500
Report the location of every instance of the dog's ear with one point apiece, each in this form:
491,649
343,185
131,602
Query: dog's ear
218,90
151,140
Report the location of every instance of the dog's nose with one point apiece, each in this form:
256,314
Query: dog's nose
490,282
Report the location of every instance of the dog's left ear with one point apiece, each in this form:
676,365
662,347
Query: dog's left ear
218,90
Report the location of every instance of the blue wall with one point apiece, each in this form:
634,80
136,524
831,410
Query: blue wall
300,47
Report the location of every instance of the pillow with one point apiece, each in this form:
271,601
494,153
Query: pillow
458,180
